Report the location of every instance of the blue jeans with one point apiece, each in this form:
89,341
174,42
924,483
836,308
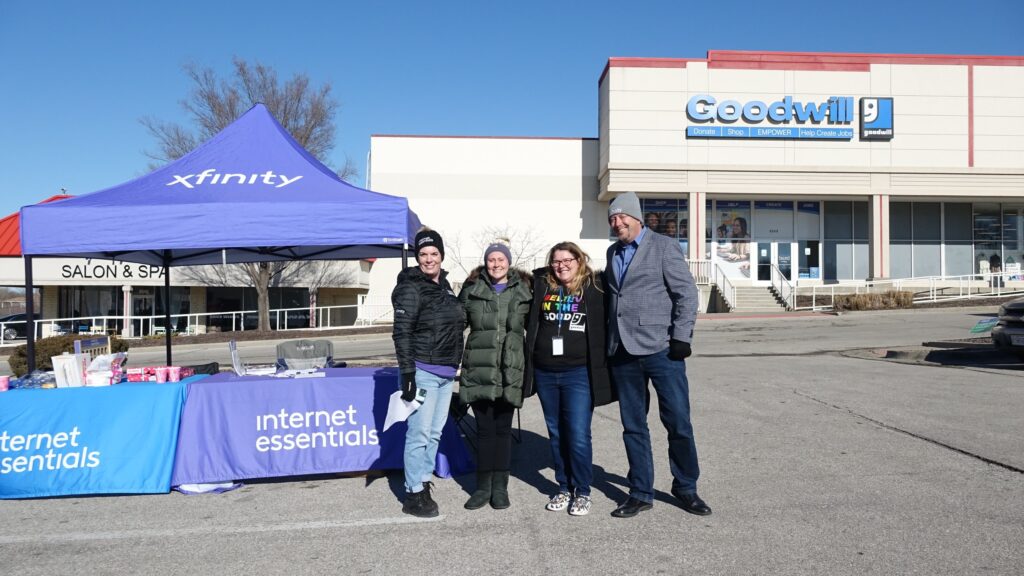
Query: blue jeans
425,426
568,410
631,374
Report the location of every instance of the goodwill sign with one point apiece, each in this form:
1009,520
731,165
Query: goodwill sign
787,118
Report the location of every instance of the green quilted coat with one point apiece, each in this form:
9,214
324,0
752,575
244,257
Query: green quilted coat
493,363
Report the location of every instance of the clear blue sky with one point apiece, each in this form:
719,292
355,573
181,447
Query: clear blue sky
77,76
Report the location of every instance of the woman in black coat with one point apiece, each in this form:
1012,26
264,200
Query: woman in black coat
566,364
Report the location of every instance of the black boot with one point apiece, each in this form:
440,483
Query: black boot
420,504
499,490
482,495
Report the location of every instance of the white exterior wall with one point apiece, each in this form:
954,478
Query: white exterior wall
998,116
545,189
930,154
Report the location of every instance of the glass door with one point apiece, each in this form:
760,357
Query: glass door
779,254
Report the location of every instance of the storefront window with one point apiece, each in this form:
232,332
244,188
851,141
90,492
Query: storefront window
732,237
957,221
846,240
88,301
709,226
1013,243
927,225
987,237
808,233
237,299
668,217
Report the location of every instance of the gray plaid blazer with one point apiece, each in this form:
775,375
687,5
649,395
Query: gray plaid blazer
657,300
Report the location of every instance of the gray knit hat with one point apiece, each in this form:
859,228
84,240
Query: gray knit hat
498,247
626,203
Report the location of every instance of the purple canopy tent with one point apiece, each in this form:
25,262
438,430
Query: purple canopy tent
249,194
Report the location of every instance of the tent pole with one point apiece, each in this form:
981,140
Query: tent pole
30,325
405,257
167,304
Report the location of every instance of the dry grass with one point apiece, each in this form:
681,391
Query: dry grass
889,300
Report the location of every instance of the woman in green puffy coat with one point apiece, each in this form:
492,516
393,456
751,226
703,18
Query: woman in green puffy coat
497,300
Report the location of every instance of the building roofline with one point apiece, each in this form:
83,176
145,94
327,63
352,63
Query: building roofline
828,61
482,137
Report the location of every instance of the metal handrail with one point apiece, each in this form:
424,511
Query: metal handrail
725,286
927,288
783,287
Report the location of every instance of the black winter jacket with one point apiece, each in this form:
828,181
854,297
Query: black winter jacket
429,321
601,389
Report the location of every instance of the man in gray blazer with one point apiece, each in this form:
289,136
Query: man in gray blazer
651,311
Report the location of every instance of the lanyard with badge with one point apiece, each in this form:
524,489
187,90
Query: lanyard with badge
557,348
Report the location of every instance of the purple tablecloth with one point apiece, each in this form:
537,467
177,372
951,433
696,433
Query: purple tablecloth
238,427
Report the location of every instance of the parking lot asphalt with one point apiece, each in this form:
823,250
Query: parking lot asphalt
816,458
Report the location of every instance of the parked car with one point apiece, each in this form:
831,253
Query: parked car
1008,333
16,330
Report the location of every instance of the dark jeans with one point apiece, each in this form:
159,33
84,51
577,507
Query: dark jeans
568,409
631,374
494,434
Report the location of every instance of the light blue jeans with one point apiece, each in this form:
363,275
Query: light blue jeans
425,426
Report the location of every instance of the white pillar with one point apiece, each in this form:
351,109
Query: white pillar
695,232
126,311
879,236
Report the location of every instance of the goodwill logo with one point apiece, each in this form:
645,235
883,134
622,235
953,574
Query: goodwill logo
786,118
287,431
21,453
876,119
211,176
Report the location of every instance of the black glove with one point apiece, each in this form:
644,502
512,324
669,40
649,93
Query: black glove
678,350
408,386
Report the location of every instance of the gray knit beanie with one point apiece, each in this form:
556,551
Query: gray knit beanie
498,247
626,203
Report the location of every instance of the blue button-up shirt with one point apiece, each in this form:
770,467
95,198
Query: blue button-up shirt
624,255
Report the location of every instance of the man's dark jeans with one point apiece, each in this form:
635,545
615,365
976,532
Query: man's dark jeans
631,374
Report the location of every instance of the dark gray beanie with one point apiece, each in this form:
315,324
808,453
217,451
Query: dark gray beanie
498,247
626,203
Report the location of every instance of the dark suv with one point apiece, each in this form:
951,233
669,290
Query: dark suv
17,328
1008,333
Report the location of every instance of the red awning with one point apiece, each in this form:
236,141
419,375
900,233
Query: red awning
10,232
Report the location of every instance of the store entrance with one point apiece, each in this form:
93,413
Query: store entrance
773,253
142,305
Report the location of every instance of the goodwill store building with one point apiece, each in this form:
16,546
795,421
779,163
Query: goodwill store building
835,168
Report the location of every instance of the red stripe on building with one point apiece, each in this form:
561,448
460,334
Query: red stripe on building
824,61
970,116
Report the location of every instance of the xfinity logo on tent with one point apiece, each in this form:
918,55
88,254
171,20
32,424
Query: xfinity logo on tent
210,176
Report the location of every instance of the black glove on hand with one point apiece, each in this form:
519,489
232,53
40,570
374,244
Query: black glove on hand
678,350
408,386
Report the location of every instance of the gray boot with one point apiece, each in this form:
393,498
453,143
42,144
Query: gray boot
482,495
499,490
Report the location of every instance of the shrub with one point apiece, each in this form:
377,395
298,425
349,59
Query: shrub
53,346
888,300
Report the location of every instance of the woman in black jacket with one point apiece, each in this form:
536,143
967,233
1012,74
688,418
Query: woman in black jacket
566,362
429,321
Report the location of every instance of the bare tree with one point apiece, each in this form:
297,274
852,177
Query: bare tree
315,274
304,110
524,244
